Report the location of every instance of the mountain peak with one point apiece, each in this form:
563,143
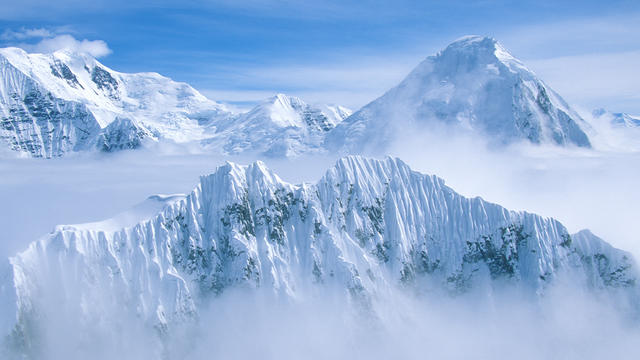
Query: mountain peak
476,41
473,84
480,50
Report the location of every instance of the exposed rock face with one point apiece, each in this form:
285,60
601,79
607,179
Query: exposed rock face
123,134
36,122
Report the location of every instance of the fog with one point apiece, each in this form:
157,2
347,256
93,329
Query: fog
595,189
37,194
566,324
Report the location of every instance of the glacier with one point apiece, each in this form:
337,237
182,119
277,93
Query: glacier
474,85
367,228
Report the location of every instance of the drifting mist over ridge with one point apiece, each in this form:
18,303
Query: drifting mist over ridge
65,102
366,230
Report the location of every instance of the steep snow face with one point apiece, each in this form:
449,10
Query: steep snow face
282,126
34,121
51,104
474,84
367,228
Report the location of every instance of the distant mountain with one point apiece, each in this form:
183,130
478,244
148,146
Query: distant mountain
52,104
367,227
474,84
618,119
282,126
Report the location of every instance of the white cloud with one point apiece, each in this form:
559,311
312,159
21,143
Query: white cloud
96,48
47,40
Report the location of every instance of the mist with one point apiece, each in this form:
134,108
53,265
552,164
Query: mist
39,194
583,188
566,324
592,189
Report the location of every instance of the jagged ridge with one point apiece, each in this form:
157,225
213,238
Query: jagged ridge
366,227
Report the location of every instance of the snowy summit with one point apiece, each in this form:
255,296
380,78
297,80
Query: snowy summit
474,84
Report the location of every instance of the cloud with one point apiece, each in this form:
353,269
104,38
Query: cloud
42,40
96,48
565,324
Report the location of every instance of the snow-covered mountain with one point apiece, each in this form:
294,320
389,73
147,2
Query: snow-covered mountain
367,227
51,104
281,126
473,84
618,119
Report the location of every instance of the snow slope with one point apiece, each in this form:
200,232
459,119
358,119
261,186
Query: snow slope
281,126
366,228
51,104
473,84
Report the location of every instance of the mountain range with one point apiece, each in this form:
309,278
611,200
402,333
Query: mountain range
59,103
55,104
366,228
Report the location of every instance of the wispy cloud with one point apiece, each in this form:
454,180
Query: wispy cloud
96,48
43,40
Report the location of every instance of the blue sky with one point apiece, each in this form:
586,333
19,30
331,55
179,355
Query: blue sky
340,51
